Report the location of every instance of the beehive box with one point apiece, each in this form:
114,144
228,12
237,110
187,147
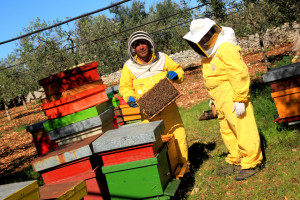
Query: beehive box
139,179
72,91
28,190
40,138
131,154
50,125
285,85
73,162
129,136
70,78
104,120
75,103
73,190
158,98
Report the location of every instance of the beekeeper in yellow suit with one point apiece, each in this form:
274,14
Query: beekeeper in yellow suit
141,72
227,81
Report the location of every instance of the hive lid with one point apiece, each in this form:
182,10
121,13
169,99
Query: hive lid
17,190
282,73
65,154
129,136
89,123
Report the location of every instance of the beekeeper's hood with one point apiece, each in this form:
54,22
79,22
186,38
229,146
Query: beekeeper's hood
206,36
140,35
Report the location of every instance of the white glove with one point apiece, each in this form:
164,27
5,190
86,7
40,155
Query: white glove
239,109
210,103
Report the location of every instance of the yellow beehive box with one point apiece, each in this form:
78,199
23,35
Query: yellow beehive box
74,190
28,190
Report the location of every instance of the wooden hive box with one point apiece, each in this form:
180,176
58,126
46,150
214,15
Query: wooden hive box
79,129
73,162
64,191
20,190
75,103
70,78
94,111
130,113
158,98
285,84
138,179
72,91
40,138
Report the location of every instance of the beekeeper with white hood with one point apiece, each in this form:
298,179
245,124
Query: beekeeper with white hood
227,81
145,68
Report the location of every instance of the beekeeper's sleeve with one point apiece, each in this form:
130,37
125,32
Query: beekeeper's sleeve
236,70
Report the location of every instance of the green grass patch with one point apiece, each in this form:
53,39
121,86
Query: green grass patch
24,175
286,60
21,128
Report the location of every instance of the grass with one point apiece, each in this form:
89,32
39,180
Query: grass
279,176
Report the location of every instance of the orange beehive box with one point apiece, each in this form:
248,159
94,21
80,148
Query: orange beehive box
75,103
287,102
71,92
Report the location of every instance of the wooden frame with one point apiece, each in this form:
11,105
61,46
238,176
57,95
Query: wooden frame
174,99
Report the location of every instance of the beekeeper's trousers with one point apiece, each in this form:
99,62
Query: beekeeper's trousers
240,135
173,125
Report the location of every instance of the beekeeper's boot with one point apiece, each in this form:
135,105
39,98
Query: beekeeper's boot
246,173
229,170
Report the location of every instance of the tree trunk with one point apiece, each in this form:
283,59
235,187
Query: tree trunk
7,111
264,52
34,97
14,101
24,102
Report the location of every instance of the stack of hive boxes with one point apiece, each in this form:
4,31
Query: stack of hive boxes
135,162
75,103
285,85
75,161
78,111
124,114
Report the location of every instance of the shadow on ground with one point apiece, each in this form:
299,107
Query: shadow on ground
198,153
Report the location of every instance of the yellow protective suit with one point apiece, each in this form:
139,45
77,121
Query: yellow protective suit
227,80
129,86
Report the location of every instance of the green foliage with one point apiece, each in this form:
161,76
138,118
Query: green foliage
286,60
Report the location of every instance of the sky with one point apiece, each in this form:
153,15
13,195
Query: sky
15,15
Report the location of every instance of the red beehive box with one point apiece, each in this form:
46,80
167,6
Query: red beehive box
75,103
70,79
73,162
40,138
131,154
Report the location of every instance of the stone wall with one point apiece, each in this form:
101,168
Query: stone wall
272,38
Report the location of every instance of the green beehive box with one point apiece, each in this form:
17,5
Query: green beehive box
110,95
138,179
115,101
75,117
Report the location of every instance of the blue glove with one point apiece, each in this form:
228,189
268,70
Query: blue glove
172,75
131,102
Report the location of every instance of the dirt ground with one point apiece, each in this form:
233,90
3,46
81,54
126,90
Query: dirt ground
17,149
